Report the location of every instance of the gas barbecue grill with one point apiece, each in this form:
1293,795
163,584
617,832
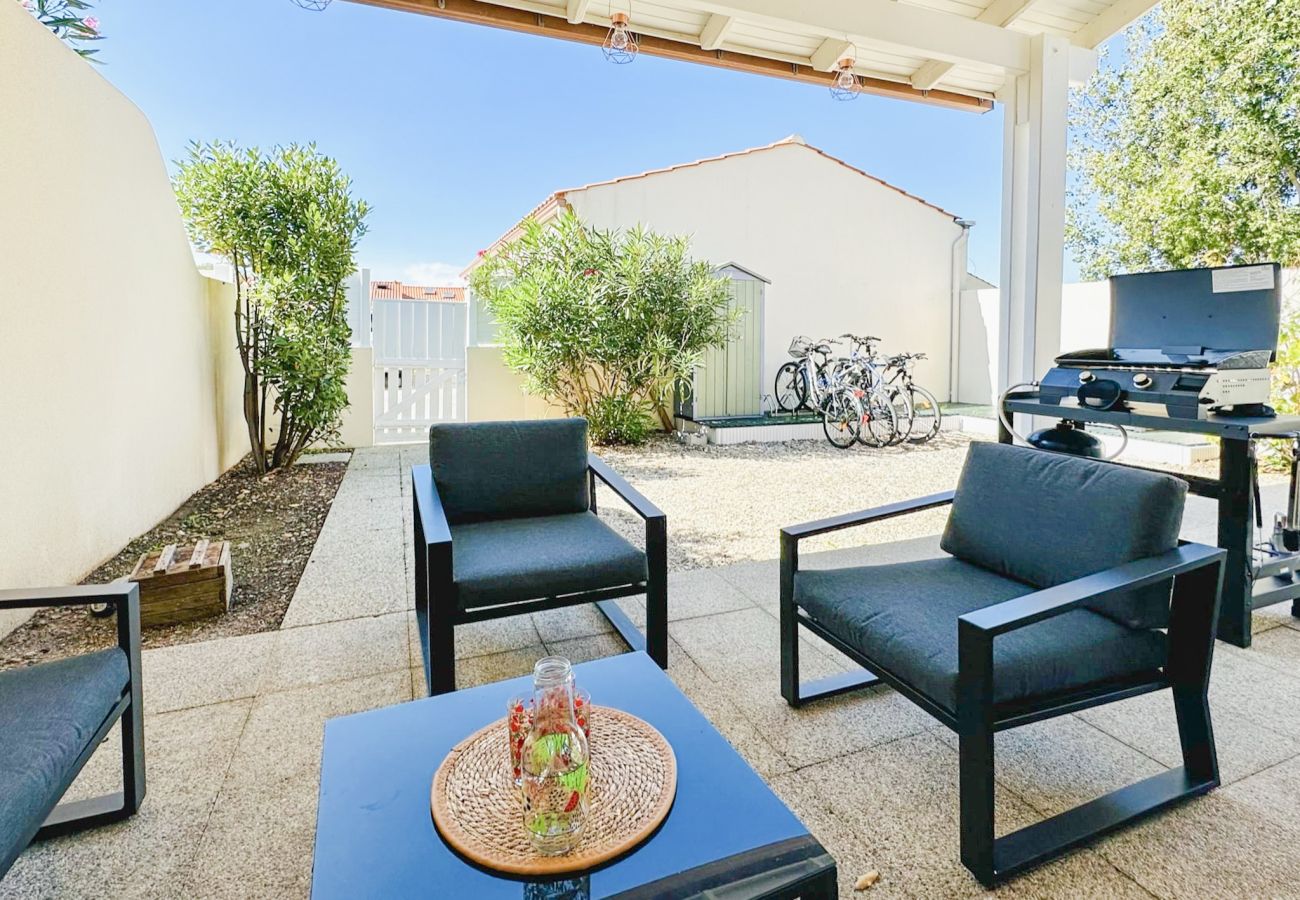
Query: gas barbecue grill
1183,344
1189,352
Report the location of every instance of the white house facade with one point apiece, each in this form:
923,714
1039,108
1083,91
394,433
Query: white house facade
842,250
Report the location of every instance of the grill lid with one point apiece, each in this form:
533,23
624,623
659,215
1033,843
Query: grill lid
1190,317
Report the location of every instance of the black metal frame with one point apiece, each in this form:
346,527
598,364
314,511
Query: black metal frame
1232,490
438,612
1197,574
65,818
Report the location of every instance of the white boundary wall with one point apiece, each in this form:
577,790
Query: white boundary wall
120,384
1085,322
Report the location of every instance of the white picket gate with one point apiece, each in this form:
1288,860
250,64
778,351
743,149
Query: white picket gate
419,377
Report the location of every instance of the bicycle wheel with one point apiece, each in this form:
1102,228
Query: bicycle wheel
841,419
904,414
879,421
927,417
791,387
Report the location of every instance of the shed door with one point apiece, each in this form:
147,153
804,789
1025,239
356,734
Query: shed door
728,383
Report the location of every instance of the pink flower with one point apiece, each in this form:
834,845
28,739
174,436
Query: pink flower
482,253
27,4
91,23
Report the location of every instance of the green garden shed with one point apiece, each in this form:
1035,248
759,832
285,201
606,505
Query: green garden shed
729,380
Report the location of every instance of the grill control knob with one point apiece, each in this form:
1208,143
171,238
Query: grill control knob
1142,380
1085,377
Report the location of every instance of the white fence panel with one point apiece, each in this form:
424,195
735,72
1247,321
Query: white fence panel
419,376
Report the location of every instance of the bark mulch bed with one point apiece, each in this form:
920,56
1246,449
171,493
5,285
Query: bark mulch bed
271,523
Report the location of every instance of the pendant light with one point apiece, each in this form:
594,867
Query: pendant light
620,45
845,84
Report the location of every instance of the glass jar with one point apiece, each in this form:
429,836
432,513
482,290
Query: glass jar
554,762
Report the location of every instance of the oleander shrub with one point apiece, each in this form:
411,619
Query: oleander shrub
603,323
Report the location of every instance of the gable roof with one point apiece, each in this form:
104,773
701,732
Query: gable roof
558,201
395,290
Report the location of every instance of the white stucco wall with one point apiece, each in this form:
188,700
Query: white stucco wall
1085,323
119,379
843,252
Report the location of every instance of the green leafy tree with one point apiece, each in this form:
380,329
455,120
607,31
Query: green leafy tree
287,223
69,22
603,323
1188,151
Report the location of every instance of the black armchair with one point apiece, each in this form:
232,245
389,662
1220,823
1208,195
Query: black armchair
54,715
505,525
1062,585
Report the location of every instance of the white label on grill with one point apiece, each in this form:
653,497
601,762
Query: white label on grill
1246,278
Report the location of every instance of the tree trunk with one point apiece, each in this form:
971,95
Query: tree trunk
244,339
665,416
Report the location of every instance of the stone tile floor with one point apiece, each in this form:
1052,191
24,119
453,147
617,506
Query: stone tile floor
233,733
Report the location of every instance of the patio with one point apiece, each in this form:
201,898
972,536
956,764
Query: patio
233,731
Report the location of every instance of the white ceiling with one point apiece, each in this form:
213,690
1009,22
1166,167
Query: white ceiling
961,47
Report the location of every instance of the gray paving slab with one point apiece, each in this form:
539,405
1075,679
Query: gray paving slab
702,592
188,675
482,638
337,651
1148,724
571,622
898,800
188,754
259,839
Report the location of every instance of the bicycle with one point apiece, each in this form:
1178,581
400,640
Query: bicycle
862,369
926,419
808,381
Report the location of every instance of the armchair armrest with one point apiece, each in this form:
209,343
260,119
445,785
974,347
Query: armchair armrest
1197,571
618,484
1021,611
428,506
123,596
796,533
116,594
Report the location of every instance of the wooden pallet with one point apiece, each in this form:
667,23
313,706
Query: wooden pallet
182,583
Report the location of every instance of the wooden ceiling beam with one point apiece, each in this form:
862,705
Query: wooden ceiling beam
715,31
576,10
477,12
1000,12
828,55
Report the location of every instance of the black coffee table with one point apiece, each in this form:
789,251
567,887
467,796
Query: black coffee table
727,832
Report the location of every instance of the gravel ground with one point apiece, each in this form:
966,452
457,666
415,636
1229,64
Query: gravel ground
727,504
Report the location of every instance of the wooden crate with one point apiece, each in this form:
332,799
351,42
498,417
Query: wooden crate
181,583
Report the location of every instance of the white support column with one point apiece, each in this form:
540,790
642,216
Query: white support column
1033,213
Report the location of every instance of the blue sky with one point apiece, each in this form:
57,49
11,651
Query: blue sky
452,132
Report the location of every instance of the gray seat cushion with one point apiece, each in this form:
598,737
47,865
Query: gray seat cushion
508,560
904,616
1045,518
48,715
509,470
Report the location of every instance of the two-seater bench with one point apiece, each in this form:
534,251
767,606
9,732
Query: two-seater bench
53,716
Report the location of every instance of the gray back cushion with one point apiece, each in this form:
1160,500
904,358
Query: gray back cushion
510,470
1045,518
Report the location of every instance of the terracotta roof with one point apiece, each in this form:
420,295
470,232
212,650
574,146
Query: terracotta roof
559,200
395,290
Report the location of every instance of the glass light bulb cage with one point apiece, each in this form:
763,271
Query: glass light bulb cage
313,5
845,85
620,45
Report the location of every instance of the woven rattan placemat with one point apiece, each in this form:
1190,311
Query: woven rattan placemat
479,811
